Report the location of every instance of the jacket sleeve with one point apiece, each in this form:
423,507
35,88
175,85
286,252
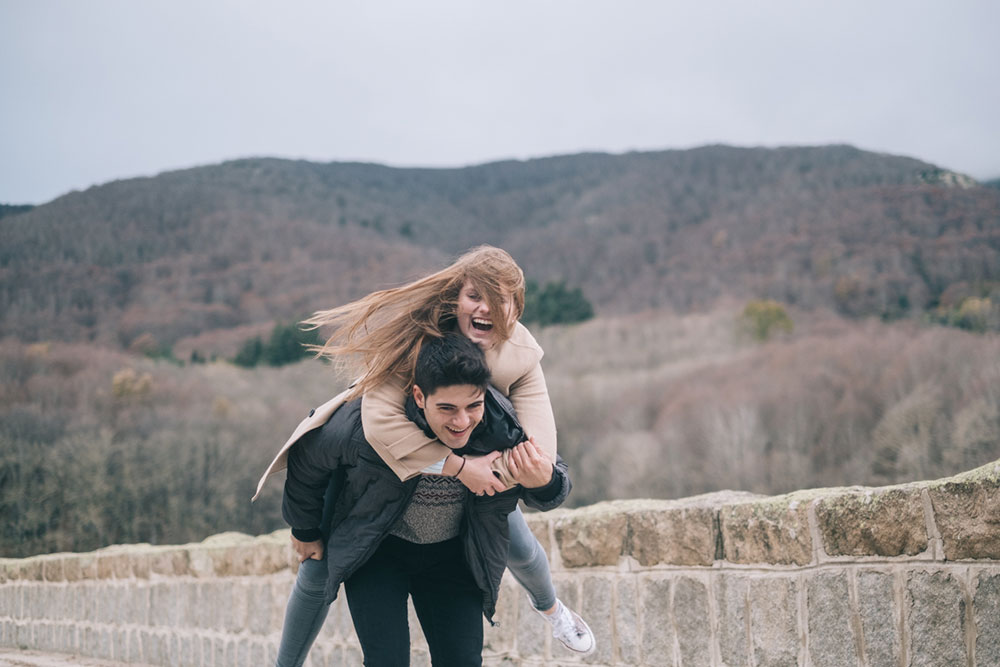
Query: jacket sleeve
400,443
312,462
530,398
554,493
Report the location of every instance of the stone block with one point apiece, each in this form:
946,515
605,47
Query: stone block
732,602
657,626
501,637
591,536
243,652
105,566
831,637
531,631
64,603
185,650
208,652
72,570
693,621
108,603
417,638
936,619
135,646
538,522
598,598
626,618
212,602
672,532
773,530
966,508
344,623
119,645
24,636
188,603
986,611
11,602
87,566
136,603
31,569
229,656
239,605
272,554
139,562
53,569
169,561
260,618
353,657
7,603
873,522
163,605
773,622
87,601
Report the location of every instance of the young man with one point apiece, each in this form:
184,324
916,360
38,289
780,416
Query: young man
427,538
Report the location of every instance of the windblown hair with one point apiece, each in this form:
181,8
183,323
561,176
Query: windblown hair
378,337
450,360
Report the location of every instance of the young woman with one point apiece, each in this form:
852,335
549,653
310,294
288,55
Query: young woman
480,295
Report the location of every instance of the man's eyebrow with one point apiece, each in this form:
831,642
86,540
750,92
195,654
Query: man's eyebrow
445,404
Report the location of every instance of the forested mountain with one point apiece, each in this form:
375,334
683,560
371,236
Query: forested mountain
14,209
250,241
663,394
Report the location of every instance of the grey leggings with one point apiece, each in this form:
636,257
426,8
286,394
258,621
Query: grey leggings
528,563
307,608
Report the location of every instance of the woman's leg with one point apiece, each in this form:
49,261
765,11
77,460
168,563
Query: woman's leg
376,595
530,566
528,563
307,609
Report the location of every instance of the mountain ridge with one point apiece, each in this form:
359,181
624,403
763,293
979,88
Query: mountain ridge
258,239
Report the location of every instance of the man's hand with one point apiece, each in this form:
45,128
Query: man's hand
307,550
530,466
478,477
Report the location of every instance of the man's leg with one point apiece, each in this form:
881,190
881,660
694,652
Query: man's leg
376,595
448,604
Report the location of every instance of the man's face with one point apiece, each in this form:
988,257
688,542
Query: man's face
452,412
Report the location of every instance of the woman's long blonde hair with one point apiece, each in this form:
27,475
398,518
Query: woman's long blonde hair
379,336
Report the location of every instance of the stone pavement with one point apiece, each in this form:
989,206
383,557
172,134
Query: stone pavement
15,658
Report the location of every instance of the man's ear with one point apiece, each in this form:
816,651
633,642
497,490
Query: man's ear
418,397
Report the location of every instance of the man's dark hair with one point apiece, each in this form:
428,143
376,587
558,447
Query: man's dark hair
450,360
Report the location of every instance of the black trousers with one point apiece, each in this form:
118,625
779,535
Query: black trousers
448,603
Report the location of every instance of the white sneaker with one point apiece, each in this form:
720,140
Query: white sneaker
570,629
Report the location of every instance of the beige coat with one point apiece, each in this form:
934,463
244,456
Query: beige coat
516,371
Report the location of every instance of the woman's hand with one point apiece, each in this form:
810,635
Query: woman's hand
307,550
529,465
477,475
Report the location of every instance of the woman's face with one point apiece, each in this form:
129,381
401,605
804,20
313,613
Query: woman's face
475,320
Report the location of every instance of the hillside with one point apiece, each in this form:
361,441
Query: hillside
101,447
203,251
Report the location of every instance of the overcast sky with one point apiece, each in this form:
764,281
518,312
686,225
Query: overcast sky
96,90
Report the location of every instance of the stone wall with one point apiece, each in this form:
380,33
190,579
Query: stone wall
903,575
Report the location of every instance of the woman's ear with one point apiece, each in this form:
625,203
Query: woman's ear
418,397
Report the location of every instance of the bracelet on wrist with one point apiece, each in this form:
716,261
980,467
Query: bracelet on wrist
461,467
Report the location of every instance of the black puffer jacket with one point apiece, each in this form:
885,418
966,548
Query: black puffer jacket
338,489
